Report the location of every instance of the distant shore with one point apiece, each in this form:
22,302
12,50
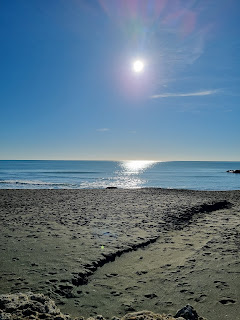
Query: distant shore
115,251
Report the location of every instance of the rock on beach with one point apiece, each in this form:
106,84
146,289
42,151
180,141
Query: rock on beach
233,171
30,306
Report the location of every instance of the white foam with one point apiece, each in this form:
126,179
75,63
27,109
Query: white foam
32,182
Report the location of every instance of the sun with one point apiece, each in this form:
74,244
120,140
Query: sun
138,66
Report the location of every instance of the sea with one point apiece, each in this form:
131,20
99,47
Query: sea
46,174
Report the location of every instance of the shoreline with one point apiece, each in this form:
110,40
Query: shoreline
68,245
120,188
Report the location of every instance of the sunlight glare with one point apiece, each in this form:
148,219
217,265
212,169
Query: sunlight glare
138,66
136,166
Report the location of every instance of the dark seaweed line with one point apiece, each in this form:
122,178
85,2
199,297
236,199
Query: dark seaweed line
82,277
182,219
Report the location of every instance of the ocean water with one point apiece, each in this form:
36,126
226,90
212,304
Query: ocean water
195,175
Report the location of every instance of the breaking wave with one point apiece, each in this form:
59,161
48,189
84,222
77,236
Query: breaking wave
33,183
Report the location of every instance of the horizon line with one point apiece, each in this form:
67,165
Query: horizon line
101,160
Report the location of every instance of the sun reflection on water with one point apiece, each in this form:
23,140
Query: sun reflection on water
136,166
130,174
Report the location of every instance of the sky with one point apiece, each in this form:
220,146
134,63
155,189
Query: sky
68,89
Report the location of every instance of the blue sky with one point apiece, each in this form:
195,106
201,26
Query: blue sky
68,90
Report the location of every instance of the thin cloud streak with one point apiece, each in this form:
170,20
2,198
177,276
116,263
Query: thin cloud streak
189,94
102,129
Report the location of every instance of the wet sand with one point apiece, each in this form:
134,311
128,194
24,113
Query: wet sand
115,251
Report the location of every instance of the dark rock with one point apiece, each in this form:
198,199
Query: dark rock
187,313
233,171
111,188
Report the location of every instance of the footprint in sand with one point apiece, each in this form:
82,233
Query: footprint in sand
201,298
221,284
166,303
150,295
115,293
186,291
227,301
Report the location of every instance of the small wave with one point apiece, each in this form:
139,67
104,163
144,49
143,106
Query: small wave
35,183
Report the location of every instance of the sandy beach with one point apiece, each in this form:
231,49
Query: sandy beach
115,251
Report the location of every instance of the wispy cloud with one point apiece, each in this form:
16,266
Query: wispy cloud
188,94
102,129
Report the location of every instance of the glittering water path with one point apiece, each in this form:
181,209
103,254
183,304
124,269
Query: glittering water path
197,175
